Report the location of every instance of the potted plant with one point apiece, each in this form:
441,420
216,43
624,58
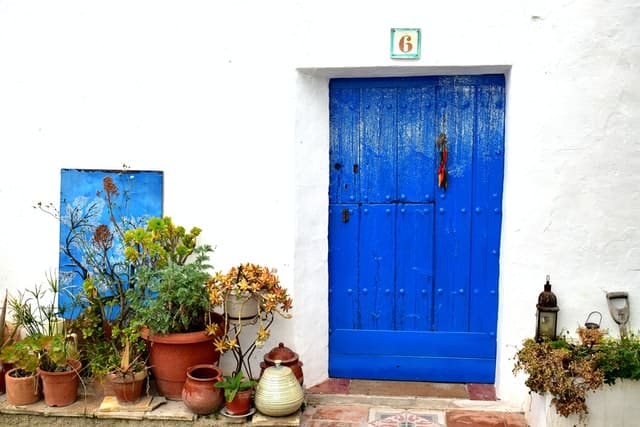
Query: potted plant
60,373
569,369
128,376
41,357
237,393
240,284
21,382
46,349
175,310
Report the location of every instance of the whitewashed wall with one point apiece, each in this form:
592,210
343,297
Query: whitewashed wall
230,101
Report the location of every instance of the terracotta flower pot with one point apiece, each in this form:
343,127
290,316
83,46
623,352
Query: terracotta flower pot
128,388
6,367
199,393
22,390
241,403
61,388
171,355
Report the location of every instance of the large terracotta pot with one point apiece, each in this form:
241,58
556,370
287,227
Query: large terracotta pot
171,355
22,390
61,388
128,388
241,403
199,393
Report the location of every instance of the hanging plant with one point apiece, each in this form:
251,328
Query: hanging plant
443,175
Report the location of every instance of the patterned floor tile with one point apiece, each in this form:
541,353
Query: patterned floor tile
383,417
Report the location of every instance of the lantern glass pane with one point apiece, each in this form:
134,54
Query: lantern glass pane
547,324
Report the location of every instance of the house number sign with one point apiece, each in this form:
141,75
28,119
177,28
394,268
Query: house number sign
405,43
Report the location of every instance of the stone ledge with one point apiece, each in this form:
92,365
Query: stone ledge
163,413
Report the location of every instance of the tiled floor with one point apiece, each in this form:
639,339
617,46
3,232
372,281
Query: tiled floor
357,403
334,403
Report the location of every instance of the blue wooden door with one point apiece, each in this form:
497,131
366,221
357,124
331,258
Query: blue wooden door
413,267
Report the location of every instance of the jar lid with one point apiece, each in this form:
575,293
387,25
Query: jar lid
284,354
278,371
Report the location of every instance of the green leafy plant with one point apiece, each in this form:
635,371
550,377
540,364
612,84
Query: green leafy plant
47,352
620,358
46,343
173,269
232,384
36,309
23,355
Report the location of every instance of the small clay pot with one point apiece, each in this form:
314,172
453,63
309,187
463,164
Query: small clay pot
287,357
22,390
199,393
241,403
61,388
128,388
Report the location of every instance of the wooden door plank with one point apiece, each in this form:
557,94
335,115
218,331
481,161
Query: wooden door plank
343,266
414,260
378,146
487,191
416,151
417,343
344,140
377,266
454,210
446,369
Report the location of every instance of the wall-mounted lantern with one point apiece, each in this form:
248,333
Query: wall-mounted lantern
547,314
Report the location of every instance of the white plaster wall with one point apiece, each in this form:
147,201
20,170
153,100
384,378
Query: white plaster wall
230,100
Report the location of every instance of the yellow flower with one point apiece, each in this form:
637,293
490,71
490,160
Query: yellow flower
212,329
220,344
233,343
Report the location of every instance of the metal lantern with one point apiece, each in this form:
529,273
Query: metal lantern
547,314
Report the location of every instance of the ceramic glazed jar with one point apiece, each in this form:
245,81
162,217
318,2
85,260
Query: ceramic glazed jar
278,392
287,357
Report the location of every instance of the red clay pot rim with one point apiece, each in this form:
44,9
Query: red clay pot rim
30,374
76,365
178,338
205,366
118,379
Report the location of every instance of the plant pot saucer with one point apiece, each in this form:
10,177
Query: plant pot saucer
226,413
